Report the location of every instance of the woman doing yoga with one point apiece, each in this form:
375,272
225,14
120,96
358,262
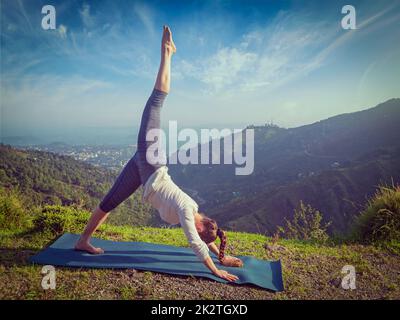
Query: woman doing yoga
160,191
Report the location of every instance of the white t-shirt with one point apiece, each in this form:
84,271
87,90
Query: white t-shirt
174,206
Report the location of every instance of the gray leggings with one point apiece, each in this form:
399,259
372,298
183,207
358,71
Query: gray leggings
137,170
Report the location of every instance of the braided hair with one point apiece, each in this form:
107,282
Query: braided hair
222,236
210,234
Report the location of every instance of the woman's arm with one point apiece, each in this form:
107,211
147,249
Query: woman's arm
213,247
219,273
186,219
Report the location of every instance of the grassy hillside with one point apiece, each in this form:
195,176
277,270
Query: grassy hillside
48,178
310,270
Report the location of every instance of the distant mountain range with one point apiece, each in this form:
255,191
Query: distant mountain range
333,165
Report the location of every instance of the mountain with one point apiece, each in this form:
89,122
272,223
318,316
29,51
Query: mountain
48,178
334,165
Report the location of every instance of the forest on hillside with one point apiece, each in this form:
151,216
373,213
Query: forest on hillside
45,178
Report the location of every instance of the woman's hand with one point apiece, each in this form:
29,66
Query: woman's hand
219,273
229,261
225,275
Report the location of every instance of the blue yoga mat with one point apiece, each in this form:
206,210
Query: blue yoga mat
157,258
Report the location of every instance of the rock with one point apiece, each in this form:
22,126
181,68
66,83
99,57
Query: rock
336,282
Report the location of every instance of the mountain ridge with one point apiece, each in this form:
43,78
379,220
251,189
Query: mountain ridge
287,158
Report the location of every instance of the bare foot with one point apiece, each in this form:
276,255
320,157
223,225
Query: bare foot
87,247
167,44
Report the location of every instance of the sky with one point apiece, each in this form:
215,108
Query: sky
237,62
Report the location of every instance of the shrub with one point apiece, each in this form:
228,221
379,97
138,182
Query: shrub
57,219
306,225
13,215
380,220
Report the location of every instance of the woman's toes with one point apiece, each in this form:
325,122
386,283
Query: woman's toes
167,42
99,250
87,247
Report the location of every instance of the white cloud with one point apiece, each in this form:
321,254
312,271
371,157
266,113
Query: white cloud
224,68
265,57
348,35
145,15
289,47
24,13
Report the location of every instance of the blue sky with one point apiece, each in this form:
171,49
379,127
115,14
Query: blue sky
237,63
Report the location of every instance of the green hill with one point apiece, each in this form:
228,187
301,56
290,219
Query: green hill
338,193
48,178
310,271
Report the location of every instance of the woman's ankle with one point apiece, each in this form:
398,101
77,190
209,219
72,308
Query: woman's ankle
83,239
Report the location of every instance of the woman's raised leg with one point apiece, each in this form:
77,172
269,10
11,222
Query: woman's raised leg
164,72
151,116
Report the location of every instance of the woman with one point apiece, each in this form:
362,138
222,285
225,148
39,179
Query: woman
160,191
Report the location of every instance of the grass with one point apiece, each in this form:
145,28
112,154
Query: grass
380,220
310,271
